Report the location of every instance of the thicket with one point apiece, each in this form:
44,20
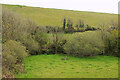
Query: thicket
84,44
13,54
19,37
110,39
109,35
22,36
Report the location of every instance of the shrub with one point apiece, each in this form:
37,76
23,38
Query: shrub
69,30
13,26
111,43
84,44
13,54
82,30
41,38
93,28
31,45
10,25
88,28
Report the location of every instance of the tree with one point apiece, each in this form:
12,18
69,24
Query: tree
70,28
103,31
64,24
80,24
56,41
69,23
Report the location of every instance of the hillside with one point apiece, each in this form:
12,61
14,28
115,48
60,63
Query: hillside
71,51
54,17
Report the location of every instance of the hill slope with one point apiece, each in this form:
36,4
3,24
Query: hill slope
54,17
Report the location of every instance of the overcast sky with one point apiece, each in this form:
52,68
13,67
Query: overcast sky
105,6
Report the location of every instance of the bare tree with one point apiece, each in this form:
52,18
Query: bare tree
55,39
103,30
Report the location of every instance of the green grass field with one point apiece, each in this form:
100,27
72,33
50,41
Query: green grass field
51,66
54,17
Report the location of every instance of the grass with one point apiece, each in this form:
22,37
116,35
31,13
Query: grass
54,17
51,66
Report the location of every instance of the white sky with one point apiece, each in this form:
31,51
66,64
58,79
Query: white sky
106,6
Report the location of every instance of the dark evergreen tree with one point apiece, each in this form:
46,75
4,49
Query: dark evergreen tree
64,24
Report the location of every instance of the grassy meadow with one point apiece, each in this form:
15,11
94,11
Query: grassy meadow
51,66
54,17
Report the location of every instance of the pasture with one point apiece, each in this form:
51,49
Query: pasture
54,17
51,66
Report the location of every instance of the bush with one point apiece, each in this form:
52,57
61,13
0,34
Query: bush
82,30
31,45
13,26
13,54
84,44
111,43
69,30
41,38
88,28
10,26
94,28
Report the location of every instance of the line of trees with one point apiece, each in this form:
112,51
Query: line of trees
68,27
79,27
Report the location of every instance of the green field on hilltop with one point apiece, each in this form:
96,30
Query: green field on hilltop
51,66
54,17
